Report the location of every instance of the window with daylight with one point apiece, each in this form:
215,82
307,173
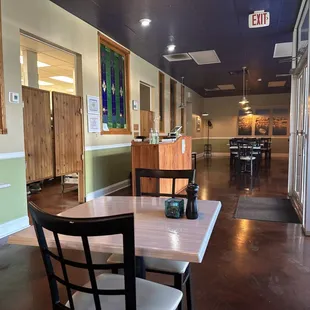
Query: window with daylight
183,109
162,102
114,87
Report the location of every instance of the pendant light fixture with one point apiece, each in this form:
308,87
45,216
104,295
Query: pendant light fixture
244,100
182,104
246,107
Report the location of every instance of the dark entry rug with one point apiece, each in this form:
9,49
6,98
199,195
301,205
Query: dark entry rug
266,209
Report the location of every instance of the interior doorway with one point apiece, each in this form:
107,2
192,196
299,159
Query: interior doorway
147,117
53,124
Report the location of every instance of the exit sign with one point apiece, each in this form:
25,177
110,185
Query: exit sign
259,19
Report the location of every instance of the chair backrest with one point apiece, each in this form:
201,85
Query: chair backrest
163,174
245,150
84,228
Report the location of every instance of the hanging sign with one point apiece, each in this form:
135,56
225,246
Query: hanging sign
259,19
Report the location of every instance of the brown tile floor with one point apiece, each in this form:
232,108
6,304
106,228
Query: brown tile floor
248,264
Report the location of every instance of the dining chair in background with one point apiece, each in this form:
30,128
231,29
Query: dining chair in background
106,291
178,269
245,158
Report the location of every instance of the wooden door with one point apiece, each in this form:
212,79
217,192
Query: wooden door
68,131
38,134
146,122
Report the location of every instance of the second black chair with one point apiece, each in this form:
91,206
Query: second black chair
178,269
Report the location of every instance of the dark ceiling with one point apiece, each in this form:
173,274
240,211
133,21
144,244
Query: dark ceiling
220,25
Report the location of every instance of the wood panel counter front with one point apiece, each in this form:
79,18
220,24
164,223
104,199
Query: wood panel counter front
167,156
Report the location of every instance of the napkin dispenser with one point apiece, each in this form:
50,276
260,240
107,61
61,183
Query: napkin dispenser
174,208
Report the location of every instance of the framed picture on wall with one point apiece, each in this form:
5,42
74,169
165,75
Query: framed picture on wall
244,124
279,126
262,125
198,124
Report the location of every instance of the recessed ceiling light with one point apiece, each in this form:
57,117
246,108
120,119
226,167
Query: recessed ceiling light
171,47
259,80
64,79
42,64
43,83
145,22
205,114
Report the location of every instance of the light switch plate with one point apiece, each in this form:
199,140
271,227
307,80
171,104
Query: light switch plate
135,105
14,97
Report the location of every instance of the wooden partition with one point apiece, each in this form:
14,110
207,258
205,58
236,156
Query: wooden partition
38,134
166,156
69,138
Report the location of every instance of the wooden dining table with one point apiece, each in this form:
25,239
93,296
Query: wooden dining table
155,235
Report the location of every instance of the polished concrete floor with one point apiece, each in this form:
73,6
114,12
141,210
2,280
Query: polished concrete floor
249,265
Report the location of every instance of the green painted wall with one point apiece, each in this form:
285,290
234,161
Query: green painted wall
106,167
13,200
279,145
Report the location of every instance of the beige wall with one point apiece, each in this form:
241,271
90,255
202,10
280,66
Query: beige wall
223,111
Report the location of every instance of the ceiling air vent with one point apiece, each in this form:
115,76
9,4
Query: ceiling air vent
178,57
226,87
205,57
276,84
283,50
212,89
238,72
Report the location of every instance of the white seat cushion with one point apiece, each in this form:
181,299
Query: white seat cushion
155,263
246,158
150,295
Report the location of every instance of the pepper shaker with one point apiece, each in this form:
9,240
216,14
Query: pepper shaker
192,207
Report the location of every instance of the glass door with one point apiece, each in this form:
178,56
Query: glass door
300,137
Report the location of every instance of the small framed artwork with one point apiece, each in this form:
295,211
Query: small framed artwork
244,124
94,122
262,125
93,105
280,125
198,124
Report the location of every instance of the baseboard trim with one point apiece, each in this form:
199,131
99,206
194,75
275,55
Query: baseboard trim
13,226
108,190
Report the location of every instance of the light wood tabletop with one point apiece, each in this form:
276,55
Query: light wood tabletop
155,235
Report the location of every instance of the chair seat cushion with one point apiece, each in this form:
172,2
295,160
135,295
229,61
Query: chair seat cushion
246,158
158,264
150,295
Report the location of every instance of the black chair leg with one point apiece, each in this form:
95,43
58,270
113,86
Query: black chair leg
189,293
114,270
178,284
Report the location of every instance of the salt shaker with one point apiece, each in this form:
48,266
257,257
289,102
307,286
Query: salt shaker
192,208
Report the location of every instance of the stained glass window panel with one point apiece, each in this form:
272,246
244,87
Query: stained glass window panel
113,88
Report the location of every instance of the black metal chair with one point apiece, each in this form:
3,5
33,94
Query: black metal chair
179,270
106,291
245,158
266,147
